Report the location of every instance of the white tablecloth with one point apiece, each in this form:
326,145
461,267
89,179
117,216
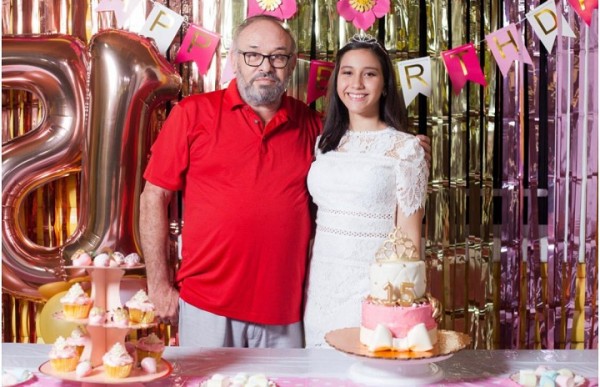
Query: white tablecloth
325,367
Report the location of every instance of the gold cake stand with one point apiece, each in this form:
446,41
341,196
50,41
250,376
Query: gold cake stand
394,368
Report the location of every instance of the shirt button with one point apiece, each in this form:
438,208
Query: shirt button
256,122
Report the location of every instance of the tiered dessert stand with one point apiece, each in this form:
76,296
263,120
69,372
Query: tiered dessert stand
106,284
394,368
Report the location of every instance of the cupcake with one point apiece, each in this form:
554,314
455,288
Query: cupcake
76,303
78,339
141,310
117,362
97,316
63,357
119,317
150,346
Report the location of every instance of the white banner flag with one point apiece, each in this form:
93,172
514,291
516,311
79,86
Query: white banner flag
122,10
545,23
162,25
415,77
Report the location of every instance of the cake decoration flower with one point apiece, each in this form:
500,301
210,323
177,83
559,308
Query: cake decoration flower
281,9
362,13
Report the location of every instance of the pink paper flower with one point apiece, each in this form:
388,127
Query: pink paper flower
362,13
281,9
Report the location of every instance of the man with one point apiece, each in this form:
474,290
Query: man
240,156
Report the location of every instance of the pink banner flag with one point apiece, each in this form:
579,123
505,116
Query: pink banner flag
198,45
507,46
318,78
228,74
584,8
462,66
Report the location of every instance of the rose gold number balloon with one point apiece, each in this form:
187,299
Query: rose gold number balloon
128,78
53,67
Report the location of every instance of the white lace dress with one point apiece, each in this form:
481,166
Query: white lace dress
356,188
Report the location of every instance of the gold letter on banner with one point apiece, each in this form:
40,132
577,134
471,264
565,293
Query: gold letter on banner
459,55
205,42
538,19
157,21
417,76
511,41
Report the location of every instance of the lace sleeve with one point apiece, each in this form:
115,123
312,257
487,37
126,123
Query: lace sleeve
412,175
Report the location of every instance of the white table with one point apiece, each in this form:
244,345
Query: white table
320,367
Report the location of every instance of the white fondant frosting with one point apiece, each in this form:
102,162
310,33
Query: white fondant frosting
397,273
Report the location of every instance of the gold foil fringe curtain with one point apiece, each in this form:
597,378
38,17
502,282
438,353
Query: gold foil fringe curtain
494,247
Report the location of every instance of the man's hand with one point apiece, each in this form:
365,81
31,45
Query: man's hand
425,143
154,234
166,304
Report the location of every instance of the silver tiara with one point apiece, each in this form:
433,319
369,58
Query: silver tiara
365,38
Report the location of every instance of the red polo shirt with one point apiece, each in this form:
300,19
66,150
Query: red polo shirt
246,206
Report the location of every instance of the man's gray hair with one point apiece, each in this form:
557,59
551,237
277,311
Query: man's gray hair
256,18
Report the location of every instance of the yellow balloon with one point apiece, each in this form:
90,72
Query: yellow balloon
50,327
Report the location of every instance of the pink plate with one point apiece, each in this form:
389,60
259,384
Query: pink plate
163,369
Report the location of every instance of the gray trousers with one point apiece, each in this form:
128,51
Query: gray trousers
199,328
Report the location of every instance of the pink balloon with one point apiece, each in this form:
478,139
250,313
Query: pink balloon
53,67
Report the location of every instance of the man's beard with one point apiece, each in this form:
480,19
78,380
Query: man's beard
262,95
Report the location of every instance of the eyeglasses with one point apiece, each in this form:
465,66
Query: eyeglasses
255,59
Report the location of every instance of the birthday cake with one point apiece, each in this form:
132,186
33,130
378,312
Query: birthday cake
398,314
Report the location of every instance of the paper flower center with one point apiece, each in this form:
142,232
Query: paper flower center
269,5
362,5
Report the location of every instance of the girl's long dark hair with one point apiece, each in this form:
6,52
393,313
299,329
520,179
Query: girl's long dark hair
391,105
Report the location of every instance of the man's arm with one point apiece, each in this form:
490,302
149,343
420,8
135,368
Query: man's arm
154,234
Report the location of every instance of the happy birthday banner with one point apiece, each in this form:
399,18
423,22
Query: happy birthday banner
506,45
461,63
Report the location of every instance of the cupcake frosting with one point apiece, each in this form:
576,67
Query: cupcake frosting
140,301
151,343
78,338
97,316
75,295
62,350
117,356
120,317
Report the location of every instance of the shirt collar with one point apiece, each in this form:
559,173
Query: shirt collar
233,99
